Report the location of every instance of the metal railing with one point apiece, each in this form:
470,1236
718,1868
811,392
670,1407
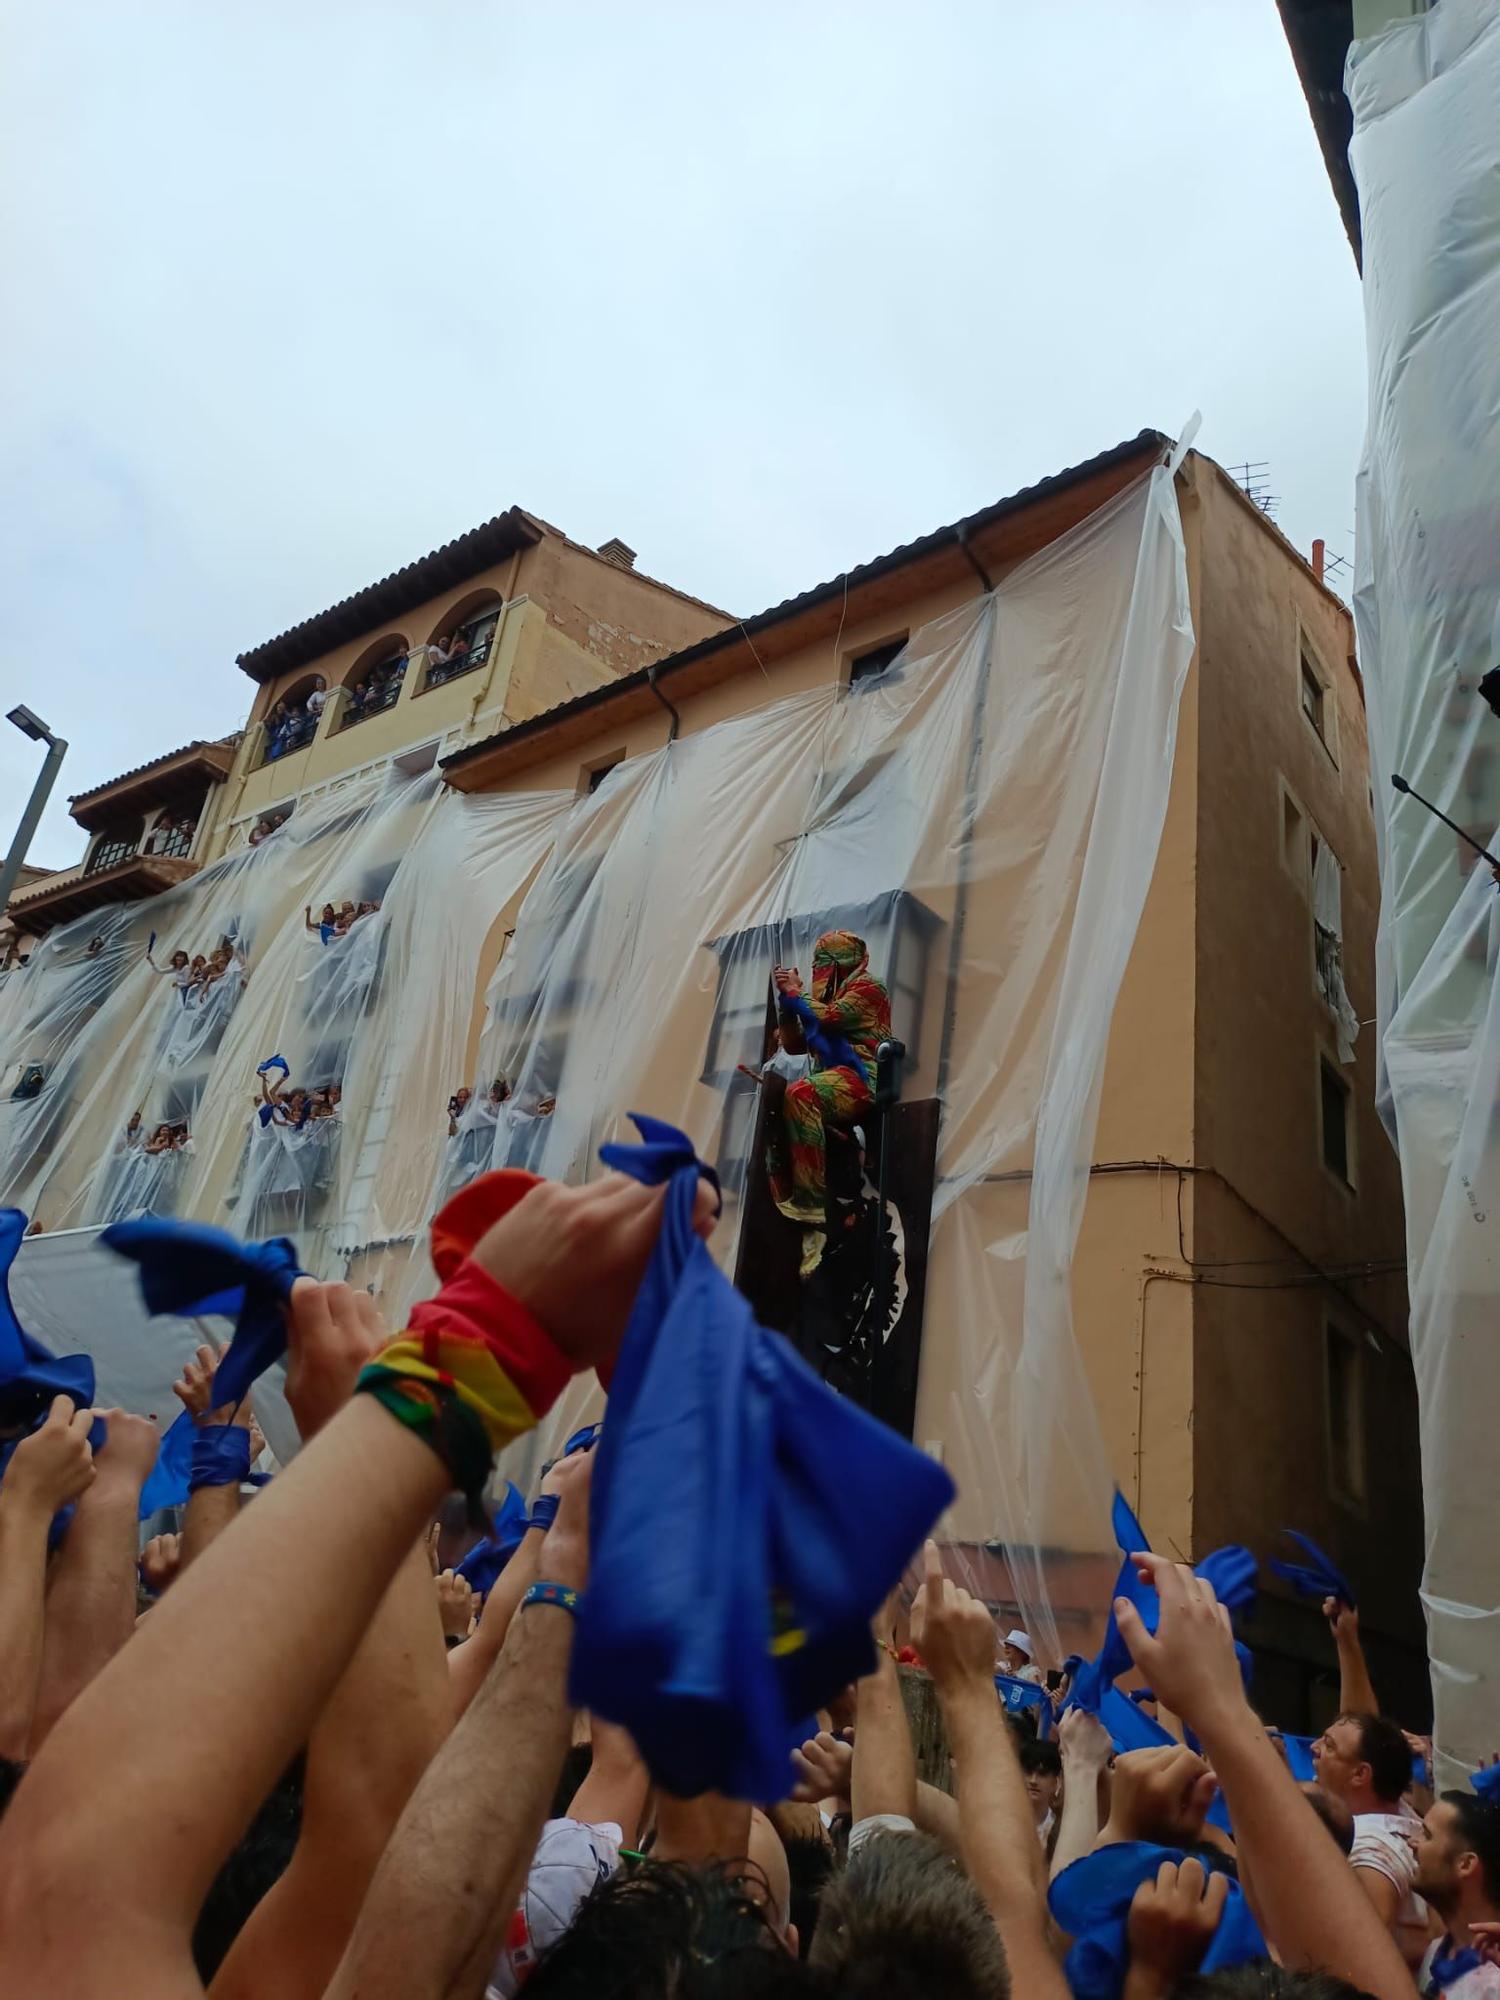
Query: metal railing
361,703
110,853
467,662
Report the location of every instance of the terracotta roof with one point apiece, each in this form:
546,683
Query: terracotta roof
154,783
73,892
957,534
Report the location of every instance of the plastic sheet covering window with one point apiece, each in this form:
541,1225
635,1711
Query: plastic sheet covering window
1426,156
1328,946
986,813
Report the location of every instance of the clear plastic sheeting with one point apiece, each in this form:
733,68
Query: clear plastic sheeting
1426,156
1328,944
985,815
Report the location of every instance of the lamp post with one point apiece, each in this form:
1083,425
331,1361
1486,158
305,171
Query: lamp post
32,726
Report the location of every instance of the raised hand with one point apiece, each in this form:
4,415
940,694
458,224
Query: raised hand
455,1597
823,1766
129,1450
160,1561
332,1331
1084,1741
1191,1660
565,1549
953,1632
1161,1794
1172,1923
576,1256
1343,1621
194,1387
54,1465
788,981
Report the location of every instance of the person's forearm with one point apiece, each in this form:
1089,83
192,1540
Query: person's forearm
23,1575
1078,1823
1000,1847
1356,1690
209,1511
937,1814
884,1777
617,1783
469,1663
384,1723
133,1801
447,1887
91,1595
1315,1910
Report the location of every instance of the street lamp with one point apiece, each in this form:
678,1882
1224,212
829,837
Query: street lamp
30,725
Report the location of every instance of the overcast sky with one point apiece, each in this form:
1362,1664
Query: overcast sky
298,292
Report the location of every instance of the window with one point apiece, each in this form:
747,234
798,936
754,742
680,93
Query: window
1334,1106
1345,1390
595,774
113,848
463,650
1314,694
870,666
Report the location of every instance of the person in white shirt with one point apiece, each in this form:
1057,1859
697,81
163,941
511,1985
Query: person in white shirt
1015,1658
1041,1767
1366,1761
1458,1874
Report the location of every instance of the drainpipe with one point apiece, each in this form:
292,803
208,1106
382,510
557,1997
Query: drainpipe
676,718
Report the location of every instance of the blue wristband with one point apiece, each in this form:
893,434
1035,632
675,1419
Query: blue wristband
544,1510
221,1456
560,1594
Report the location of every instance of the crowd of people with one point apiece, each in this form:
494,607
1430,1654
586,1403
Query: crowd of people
292,725
194,978
377,688
266,825
279,1756
293,1106
170,1136
336,921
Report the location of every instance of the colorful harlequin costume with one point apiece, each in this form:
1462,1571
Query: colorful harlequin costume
846,1018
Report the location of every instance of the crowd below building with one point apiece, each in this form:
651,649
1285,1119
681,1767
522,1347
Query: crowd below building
319,1738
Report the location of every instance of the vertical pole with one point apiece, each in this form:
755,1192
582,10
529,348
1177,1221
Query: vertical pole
57,749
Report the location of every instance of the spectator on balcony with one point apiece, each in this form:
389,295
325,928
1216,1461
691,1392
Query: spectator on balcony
325,1102
446,657
161,1140
458,1104
327,924
318,699
179,971
365,910
133,1130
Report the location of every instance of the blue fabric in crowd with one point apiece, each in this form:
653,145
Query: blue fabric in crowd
1486,1783
1318,1577
221,1456
167,1482
727,1604
1299,1758
30,1373
327,932
273,1062
192,1269
1016,1697
582,1440
486,1559
1130,1728
1091,1900
830,1051
1231,1571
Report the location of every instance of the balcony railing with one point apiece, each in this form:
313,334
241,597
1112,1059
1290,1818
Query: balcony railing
109,854
177,842
293,734
360,705
439,672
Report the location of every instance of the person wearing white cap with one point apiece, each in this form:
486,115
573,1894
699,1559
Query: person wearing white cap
1015,1658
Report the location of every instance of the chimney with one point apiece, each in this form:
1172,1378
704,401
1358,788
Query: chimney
1317,559
619,553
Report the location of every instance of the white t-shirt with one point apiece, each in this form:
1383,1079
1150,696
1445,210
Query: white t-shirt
1385,1843
784,1063
316,700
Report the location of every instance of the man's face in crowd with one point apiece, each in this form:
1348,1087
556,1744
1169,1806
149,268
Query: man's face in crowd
1012,1659
1440,1851
1043,1788
1336,1757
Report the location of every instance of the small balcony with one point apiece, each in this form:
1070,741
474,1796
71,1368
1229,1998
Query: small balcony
373,694
106,878
465,652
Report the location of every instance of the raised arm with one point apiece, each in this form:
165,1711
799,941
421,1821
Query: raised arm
884,1774
47,1470
1086,1751
1315,1912
213,1502
91,1590
445,1892
955,1635
1356,1689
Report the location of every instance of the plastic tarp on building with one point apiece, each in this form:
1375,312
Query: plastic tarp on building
986,814
1426,156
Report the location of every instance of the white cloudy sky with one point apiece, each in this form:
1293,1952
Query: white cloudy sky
300,291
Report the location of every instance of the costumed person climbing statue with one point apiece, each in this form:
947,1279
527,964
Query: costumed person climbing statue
844,1021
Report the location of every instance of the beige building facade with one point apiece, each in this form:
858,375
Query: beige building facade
1238,1286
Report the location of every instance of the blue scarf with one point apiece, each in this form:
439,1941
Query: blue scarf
746,1521
484,1562
192,1269
1318,1577
31,1374
1091,1901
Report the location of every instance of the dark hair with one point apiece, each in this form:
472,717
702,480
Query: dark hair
809,1863
1386,1751
1259,1979
659,1928
1479,1826
905,1918
1036,1756
1334,1814
259,1860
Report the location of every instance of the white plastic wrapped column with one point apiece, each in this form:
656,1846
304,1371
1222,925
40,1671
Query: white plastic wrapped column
1426,156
